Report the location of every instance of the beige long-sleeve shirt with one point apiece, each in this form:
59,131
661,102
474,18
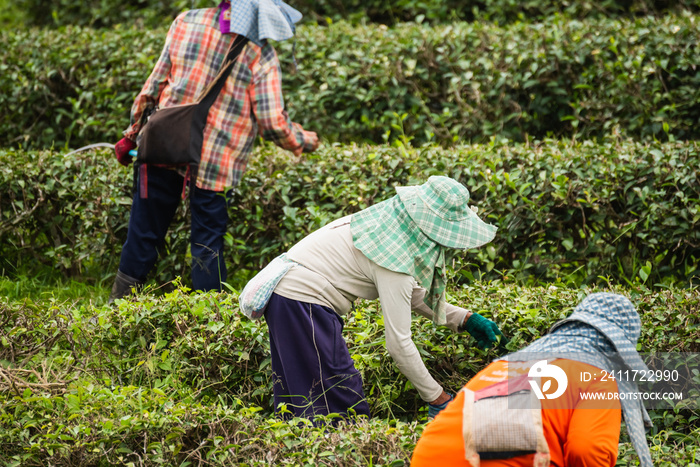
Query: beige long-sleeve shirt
333,273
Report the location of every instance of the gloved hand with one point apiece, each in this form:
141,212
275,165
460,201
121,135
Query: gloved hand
483,330
122,149
433,410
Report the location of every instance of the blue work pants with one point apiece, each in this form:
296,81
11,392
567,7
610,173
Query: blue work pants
151,217
312,369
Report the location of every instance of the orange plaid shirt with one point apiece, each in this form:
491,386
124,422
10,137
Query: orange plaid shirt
250,104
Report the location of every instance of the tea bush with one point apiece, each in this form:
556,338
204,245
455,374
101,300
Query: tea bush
568,212
105,13
110,12
186,378
55,13
448,84
10,15
500,11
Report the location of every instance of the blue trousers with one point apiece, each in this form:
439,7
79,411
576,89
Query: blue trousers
149,221
313,372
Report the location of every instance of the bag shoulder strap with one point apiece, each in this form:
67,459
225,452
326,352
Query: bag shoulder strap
212,91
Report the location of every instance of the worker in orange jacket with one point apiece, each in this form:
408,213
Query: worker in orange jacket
557,402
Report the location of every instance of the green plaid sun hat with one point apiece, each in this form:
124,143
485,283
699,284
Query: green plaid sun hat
440,208
409,232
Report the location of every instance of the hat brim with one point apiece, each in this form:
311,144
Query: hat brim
616,336
465,233
293,14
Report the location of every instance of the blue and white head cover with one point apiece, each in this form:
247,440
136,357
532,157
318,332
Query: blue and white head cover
259,20
601,331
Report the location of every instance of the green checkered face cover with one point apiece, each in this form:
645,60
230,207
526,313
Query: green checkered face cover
410,232
387,235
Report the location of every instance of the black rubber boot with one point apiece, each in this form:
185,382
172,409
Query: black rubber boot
123,286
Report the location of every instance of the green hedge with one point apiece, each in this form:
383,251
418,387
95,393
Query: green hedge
103,13
456,83
566,212
110,12
187,377
501,11
468,82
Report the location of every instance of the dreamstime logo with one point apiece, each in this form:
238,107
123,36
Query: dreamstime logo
541,370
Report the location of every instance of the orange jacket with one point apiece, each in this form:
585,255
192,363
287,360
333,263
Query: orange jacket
579,432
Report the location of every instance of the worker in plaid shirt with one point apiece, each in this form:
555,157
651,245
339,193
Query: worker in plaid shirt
250,104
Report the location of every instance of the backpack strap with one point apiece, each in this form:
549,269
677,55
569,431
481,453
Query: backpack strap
470,453
140,183
190,179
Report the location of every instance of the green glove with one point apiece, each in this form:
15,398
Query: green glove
483,330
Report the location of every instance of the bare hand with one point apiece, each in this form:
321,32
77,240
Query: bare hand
444,397
313,140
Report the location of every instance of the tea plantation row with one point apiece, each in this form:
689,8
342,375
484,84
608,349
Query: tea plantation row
185,379
109,12
448,83
568,212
